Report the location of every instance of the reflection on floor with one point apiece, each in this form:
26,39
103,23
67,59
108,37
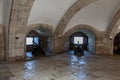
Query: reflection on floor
29,54
64,67
32,55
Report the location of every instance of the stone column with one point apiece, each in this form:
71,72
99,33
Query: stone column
59,44
18,20
99,43
2,47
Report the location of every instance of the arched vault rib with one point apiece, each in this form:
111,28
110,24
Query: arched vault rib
39,26
81,26
78,5
112,27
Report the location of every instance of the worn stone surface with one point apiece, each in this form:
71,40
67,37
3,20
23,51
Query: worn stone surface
4,71
50,37
2,44
113,27
66,67
18,20
101,46
57,43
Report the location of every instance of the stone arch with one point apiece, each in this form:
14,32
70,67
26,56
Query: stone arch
35,26
117,32
82,26
111,39
78,5
111,30
45,27
116,42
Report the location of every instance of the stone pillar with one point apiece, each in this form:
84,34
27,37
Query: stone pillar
99,43
99,47
103,44
2,47
18,20
59,44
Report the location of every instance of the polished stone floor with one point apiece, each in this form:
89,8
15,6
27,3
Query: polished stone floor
63,67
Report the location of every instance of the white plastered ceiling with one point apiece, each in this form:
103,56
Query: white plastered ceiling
1,11
48,11
98,15
5,7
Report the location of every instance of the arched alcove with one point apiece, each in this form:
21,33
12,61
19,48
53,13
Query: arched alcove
33,44
43,33
116,49
78,38
90,33
88,39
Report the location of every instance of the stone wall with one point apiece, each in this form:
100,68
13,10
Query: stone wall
18,30
91,44
114,25
99,43
111,32
49,38
59,44
102,45
18,20
2,43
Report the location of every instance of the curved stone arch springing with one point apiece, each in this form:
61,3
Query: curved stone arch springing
115,43
114,34
111,29
112,39
41,26
82,26
78,5
36,26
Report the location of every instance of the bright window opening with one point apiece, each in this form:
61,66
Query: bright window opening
29,41
36,40
78,40
32,40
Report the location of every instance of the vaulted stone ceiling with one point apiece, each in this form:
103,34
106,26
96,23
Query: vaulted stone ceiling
98,14
49,11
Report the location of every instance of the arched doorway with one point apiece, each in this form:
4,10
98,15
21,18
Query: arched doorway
86,40
38,43
89,31
78,41
117,44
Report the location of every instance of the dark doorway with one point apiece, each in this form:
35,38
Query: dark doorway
33,45
78,39
117,44
82,39
78,42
